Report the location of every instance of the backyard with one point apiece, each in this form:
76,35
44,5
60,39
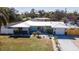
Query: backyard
25,44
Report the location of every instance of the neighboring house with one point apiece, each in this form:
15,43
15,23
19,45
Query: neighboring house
28,27
70,20
77,21
41,19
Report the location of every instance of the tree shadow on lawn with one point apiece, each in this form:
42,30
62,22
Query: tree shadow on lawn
19,36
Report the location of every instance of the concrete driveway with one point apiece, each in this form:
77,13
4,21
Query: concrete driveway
67,45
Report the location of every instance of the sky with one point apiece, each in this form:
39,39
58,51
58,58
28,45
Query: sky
24,9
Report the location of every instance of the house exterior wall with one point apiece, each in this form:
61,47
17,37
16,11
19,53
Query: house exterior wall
5,30
57,31
24,29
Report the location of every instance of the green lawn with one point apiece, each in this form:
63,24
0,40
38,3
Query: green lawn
24,44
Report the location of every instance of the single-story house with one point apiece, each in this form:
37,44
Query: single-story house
44,27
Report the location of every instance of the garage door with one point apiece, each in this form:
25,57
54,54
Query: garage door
59,31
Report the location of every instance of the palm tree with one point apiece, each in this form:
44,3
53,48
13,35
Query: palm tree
7,15
4,15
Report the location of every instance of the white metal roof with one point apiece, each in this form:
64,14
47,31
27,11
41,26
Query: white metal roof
44,23
38,23
59,25
23,24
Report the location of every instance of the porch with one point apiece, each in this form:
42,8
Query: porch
27,32
41,29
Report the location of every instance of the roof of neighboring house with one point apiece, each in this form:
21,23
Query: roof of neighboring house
72,26
41,19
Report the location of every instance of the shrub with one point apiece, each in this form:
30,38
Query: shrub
39,37
34,33
49,31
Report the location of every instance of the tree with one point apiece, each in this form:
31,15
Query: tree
65,20
41,13
13,15
32,13
59,14
7,15
4,15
